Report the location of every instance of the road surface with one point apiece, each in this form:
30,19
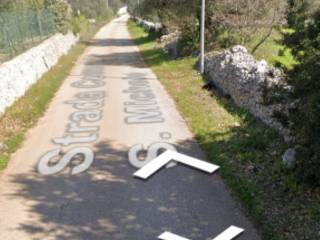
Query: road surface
111,105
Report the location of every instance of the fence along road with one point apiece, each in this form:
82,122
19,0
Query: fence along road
111,103
23,29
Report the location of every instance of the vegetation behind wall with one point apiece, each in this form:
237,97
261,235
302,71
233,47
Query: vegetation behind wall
228,22
22,29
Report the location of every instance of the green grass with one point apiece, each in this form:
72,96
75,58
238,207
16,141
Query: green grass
248,152
24,114
271,48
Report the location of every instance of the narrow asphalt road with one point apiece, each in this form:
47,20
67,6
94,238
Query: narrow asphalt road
108,110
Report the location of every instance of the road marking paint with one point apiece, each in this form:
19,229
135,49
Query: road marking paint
170,236
155,165
231,233
151,152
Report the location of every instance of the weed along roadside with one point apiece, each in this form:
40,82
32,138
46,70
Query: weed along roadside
248,152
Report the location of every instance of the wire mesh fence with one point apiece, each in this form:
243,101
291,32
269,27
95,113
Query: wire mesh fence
21,30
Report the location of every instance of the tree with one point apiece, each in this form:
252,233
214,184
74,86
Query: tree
62,12
228,22
95,8
304,40
238,21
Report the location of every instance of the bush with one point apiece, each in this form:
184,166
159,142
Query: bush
107,14
189,40
79,23
62,12
305,119
96,9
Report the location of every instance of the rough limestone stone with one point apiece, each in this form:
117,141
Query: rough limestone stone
149,26
289,158
239,75
170,43
17,75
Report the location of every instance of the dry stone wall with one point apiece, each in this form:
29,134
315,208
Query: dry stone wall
148,26
247,81
170,42
17,75
239,75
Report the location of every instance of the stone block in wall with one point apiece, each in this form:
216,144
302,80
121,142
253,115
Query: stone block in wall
169,43
238,74
149,26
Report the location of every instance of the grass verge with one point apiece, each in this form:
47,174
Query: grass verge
272,50
24,114
248,152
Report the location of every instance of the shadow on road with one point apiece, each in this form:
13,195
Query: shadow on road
107,202
124,42
117,59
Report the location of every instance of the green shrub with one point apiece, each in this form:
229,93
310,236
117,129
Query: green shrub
305,78
107,14
189,39
96,9
79,23
62,12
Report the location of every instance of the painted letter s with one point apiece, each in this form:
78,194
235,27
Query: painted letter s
45,168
